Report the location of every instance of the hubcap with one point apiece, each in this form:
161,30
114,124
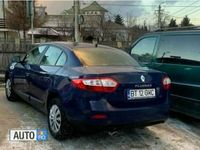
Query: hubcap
8,87
55,118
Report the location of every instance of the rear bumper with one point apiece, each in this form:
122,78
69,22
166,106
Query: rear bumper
119,116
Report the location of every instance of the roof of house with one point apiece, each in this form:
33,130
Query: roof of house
69,11
44,31
94,6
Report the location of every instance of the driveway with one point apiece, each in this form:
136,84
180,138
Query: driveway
177,133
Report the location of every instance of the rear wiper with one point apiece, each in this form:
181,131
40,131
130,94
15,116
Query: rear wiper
167,52
175,57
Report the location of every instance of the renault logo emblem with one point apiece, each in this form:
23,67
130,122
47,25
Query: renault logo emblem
142,78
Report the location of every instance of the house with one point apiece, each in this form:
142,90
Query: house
7,35
94,16
44,35
2,14
95,26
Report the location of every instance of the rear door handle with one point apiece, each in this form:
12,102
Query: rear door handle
40,72
27,74
188,68
43,72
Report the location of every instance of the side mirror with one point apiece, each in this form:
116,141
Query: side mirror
16,59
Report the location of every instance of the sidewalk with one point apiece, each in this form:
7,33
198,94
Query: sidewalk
1,80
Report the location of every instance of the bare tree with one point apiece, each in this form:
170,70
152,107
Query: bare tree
131,20
18,18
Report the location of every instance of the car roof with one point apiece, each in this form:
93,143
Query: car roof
174,32
74,46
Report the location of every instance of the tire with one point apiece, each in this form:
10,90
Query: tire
59,126
10,94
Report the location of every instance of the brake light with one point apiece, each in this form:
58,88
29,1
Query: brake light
96,84
166,83
99,116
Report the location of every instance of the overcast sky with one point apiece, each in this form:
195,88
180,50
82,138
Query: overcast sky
140,9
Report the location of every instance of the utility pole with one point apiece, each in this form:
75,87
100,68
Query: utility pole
32,21
4,14
76,15
4,19
159,16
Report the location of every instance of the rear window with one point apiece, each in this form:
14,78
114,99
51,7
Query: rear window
184,49
105,57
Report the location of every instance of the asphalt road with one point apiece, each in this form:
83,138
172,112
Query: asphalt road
177,133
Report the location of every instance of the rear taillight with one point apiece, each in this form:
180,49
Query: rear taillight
99,116
96,84
166,83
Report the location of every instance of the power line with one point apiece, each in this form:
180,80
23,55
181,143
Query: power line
195,11
166,1
186,7
192,10
189,13
140,5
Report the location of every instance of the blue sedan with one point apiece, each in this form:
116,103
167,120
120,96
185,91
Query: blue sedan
82,85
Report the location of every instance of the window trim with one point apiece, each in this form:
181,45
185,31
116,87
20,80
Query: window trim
59,58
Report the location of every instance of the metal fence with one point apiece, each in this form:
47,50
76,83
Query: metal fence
10,49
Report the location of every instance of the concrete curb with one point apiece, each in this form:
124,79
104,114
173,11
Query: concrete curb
2,85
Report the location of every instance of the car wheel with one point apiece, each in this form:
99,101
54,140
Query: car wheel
59,126
9,91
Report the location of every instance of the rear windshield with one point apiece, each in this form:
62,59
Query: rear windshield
105,57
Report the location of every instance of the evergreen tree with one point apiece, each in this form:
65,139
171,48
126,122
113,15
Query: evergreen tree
119,19
173,23
186,22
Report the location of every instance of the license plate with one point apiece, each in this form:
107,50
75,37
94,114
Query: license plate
141,93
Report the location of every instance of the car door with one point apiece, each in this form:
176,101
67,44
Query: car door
22,72
143,50
178,55
42,76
